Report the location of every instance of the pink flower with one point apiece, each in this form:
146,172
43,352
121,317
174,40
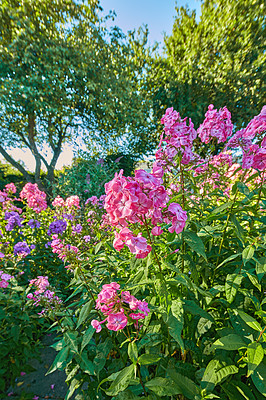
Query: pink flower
36,199
72,201
58,202
96,325
137,316
115,322
52,387
156,231
179,217
22,373
10,187
216,124
143,306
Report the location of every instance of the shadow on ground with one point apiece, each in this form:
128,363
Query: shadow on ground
36,385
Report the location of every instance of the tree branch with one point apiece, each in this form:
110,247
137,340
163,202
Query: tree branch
16,164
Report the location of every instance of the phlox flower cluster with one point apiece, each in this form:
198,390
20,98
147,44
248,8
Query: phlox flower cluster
136,200
13,219
72,201
22,249
119,309
4,279
10,188
43,295
254,154
95,201
58,202
36,199
216,124
77,229
34,224
179,136
62,249
57,226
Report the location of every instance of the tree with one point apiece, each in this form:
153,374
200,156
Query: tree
218,60
60,68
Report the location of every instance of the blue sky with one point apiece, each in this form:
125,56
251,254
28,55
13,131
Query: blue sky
157,14
131,14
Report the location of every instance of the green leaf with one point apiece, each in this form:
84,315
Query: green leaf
187,387
259,378
85,364
191,307
71,339
60,360
75,384
232,257
232,284
250,321
261,268
97,247
133,352
103,350
146,359
175,322
229,342
72,373
85,312
215,373
253,279
122,381
255,355
247,254
221,208
163,386
87,337
242,187
195,243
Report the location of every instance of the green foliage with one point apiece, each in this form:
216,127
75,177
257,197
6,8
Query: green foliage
68,72
205,335
87,175
20,335
217,60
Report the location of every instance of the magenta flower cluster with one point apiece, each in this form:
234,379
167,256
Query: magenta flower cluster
43,295
118,309
4,279
136,200
216,124
254,154
36,199
178,136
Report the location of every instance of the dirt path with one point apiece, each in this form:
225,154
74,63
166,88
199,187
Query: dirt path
35,385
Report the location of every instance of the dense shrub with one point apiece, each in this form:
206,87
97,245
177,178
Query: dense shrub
166,272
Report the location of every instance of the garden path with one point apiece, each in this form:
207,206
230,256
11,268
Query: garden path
36,385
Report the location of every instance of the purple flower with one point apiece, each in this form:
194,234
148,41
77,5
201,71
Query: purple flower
21,248
58,226
34,223
77,229
13,219
87,238
70,217
2,255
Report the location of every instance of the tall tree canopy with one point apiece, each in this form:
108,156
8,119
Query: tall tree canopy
61,68
219,60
